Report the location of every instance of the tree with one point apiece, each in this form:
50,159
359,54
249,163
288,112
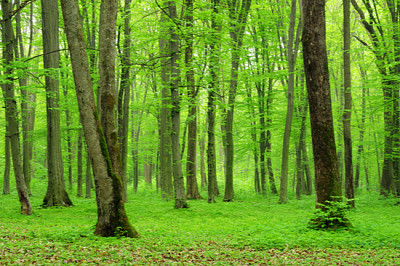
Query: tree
328,186
179,188
56,194
212,94
191,165
11,108
28,98
165,114
124,95
388,68
112,219
348,147
238,12
292,48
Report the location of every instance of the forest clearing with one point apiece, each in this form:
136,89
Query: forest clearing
250,231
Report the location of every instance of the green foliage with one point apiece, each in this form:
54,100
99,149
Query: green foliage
331,215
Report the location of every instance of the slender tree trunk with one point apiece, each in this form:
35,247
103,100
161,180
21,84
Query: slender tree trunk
124,96
348,147
112,219
79,166
213,87
7,163
202,144
191,165
268,140
88,179
165,116
56,194
291,54
11,108
328,184
238,13
28,100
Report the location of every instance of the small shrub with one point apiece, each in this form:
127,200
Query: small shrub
331,215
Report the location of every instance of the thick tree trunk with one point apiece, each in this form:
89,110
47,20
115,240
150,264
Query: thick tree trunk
11,108
165,116
56,194
179,187
112,219
327,179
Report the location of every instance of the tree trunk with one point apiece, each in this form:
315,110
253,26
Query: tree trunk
165,115
28,100
124,96
191,165
202,144
112,219
291,54
179,187
348,147
238,13
327,179
56,194
88,179
11,108
7,163
79,166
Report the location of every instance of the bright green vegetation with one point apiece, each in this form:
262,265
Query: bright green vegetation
250,230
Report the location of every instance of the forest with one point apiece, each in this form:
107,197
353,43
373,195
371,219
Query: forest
200,131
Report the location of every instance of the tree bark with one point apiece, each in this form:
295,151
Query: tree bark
124,96
11,108
165,115
112,219
28,100
56,194
179,187
213,88
315,59
79,166
191,165
7,163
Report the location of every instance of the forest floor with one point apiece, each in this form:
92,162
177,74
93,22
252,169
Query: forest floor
252,230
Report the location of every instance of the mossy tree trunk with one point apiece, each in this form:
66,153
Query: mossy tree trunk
328,186
112,219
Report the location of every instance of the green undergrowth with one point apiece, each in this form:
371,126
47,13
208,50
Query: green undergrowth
251,230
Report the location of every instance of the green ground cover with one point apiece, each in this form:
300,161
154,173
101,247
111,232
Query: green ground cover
251,230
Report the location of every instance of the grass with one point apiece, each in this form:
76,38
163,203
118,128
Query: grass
251,230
